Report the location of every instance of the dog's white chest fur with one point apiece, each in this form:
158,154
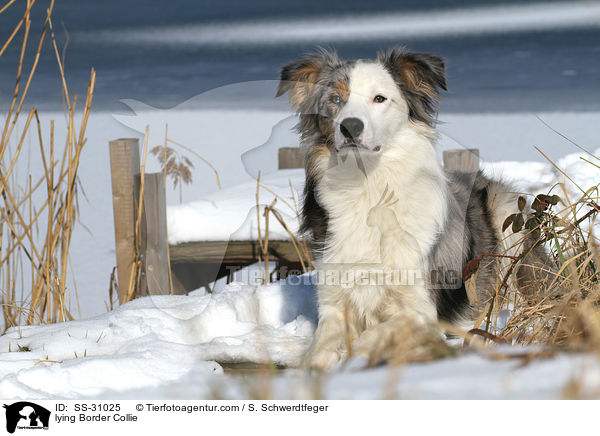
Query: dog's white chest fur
384,215
413,180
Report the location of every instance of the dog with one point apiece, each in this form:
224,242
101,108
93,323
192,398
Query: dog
378,204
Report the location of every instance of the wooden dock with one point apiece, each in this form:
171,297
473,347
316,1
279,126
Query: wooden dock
143,256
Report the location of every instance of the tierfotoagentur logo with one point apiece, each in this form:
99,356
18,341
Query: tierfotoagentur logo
26,415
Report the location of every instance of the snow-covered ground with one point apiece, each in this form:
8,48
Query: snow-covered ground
155,340
167,347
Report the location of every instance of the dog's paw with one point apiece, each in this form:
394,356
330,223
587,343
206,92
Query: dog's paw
401,341
372,345
323,359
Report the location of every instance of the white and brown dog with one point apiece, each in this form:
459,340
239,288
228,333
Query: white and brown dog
392,229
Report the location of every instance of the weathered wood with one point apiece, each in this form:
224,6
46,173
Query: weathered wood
155,266
196,264
190,276
124,165
464,161
290,157
231,252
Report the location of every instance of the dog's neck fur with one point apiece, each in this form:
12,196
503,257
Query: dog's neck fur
408,167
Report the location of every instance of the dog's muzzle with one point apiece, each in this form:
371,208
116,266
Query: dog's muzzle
358,147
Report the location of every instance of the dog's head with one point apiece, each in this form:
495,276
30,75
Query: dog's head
360,105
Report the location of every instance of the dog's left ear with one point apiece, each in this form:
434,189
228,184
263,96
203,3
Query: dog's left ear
421,76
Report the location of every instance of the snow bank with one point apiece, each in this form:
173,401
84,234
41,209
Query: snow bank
231,212
572,170
154,340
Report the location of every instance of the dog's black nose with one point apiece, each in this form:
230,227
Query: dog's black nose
351,128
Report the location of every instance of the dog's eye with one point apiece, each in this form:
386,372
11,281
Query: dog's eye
335,99
379,99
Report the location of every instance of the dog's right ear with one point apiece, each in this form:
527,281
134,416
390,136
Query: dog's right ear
299,78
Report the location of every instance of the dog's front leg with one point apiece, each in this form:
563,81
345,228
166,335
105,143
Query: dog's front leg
332,335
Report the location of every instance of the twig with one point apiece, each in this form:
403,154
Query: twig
260,242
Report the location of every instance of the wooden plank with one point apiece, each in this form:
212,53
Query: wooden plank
464,161
124,166
290,157
155,269
190,276
230,252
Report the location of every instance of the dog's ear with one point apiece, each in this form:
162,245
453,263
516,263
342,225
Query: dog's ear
299,78
421,76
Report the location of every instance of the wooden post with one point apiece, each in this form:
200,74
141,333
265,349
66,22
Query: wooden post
464,161
155,269
290,157
124,165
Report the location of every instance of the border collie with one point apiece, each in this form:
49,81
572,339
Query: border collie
393,230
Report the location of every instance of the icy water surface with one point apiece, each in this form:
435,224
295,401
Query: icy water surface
536,67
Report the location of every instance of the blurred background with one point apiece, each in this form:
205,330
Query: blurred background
502,56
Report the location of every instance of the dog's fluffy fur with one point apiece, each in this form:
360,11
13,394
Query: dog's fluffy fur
377,199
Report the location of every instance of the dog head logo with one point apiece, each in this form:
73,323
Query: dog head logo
26,415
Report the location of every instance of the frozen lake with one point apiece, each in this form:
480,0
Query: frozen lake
500,58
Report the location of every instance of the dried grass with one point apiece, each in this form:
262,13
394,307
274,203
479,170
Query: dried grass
176,166
300,245
134,286
565,311
35,234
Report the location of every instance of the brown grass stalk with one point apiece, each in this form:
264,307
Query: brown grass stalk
135,275
301,250
260,241
300,246
34,253
6,6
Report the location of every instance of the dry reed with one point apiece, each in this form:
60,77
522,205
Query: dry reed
300,245
36,229
176,166
564,311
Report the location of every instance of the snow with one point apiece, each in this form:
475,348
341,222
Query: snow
576,170
469,376
230,214
158,339
168,347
